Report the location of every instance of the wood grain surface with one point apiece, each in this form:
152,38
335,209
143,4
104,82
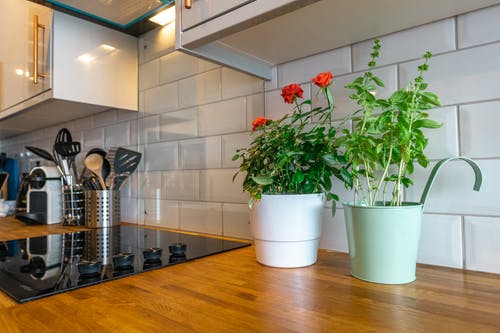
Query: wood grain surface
231,292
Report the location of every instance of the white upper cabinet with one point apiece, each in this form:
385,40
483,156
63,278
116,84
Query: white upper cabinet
253,36
83,68
17,35
204,10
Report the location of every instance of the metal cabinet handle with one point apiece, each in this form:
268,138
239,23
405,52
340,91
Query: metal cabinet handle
36,74
188,4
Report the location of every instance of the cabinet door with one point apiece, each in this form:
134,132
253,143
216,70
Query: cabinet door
204,10
16,51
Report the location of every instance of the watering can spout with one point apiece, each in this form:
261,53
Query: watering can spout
477,173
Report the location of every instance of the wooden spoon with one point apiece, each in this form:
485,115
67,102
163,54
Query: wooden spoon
94,163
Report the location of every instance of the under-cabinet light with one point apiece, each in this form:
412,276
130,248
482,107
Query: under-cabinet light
164,17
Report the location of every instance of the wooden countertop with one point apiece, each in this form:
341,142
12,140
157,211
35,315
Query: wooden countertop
231,292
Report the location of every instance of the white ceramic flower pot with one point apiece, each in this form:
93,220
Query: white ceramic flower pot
287,229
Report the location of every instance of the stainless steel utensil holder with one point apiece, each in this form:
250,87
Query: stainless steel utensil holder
73,205
102,208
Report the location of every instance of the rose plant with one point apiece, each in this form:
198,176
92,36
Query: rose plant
287,155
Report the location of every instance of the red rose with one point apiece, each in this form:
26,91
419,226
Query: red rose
259,121
291,91
322,80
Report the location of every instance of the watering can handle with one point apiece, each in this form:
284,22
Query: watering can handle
437,167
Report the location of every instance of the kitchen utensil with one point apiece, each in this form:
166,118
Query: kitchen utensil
69,150
91,151
106,168
40,153
126,161
94,162
63,135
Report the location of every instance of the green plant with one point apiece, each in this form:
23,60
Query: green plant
387,137
287,155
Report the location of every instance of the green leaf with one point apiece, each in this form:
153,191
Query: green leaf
427,123
263,180
431,98
378,81
235,157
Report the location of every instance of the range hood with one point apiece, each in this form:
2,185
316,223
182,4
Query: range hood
120,13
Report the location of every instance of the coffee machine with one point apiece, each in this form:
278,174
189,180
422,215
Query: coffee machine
44,197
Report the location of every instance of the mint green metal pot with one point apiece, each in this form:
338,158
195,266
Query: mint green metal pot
383,240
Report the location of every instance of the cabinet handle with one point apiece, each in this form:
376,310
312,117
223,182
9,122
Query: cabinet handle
187,4
36,25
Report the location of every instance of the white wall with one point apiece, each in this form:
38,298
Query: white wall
194,114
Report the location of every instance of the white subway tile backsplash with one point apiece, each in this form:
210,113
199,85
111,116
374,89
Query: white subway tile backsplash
156,43
443,141
200,89
161,156
202,217
333,235
178,65
441,241
407,44
337,61
452,191
236,84
149,127
479,136
161,213
236,221
217,185
230,143
222,117
200,153
129,210
478,27
117,135
161,99
105,118
150,185
460,77
273,83
177,125
255,108
149,74
181,185
93,138
481,243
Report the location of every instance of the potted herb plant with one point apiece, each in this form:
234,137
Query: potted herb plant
383,147
288,179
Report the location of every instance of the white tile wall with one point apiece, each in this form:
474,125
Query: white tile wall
479,136
161,213
201,216
255,108
238,84
177,65
161,156
481,243
200,89
200,153
149,129
181,185
230,143
441,241
334,235
150,184
222,117
161,99
217,185
149,74
181,124
443,141
479,27
452,191
407,44
117,135
303,70
464,76
235,221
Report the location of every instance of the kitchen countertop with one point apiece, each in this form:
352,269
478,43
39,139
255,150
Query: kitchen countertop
231,292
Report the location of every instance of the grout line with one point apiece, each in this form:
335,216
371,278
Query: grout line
455,28
459,130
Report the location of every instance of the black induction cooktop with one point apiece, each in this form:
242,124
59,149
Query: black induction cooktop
37,267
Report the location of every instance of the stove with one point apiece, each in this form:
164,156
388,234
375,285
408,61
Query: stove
37,267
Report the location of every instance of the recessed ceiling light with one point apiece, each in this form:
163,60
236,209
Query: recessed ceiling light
164,17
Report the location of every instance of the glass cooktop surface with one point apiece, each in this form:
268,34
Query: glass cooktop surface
37,267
